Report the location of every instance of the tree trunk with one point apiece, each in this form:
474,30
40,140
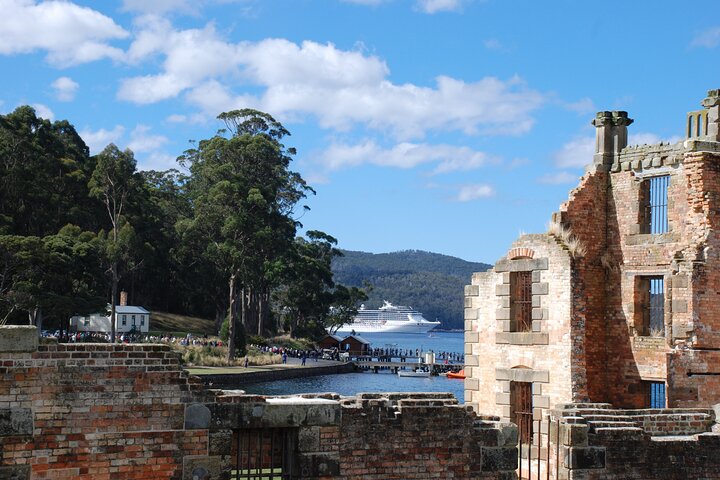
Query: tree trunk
231,319
261,318
113,301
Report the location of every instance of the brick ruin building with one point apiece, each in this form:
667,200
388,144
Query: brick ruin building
619,302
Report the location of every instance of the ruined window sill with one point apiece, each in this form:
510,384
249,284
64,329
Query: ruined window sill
521,338
653,239
649,343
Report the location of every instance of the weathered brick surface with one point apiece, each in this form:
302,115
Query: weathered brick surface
598,348
99,411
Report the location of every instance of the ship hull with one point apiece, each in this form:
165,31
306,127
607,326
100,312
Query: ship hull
389,327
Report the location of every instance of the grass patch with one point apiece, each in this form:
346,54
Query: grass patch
180,324
200,356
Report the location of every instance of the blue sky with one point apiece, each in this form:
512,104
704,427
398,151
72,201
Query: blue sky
443,125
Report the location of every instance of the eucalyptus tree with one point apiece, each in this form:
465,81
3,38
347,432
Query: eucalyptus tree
244,197
112,181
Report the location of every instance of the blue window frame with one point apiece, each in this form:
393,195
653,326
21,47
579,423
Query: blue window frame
654,199
657,394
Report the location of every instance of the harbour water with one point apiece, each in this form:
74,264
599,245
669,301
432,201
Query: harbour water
354,383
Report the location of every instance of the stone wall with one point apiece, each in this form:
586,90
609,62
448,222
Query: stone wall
598,442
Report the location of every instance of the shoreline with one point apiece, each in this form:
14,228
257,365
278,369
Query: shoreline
214,377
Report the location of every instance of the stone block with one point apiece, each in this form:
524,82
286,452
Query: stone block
521,375
499,459
539,314
220,442
541,401
471,360
502,314
504,386
542,376
472,290
536,276
502,290
197,416
584,458
657,161
468,302
16,421
309,439
502,374
504,302
502,398
540,288
537,389
521,338
201,467
472,384
509,433
319,465
18,338
472,337
537,326
536,300
506,278
679,281
679,306
471,314
503,325
16,472
574,435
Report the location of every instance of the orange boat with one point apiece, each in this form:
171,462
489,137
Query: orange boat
460,374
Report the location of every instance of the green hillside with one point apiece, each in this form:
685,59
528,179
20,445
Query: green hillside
429,282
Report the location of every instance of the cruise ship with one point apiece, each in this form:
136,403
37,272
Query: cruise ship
388,319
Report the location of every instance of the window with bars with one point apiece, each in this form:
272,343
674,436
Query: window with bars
521,413
654,205
521,301
651,306
264,453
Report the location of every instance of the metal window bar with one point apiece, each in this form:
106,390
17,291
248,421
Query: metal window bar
656,307
263,454
656,204
547,457
657,395
521,298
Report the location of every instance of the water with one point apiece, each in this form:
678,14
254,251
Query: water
354,383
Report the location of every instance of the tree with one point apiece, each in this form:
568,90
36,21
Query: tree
112,181
244,196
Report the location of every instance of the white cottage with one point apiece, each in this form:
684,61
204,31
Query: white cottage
128,319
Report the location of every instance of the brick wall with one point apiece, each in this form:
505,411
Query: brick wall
97,411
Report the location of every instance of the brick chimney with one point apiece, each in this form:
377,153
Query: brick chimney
123,298
610,136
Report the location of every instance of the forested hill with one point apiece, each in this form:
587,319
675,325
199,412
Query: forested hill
429,282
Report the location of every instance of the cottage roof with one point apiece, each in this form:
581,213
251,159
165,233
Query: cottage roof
358,338
131,309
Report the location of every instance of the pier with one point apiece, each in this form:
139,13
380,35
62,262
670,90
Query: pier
395,363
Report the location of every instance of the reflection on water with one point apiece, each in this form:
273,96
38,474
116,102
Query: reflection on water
354,383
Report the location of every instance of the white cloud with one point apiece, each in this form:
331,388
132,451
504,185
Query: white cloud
558,178
142,141
434,6
43,111
709,38
99,139
468,193
447,158
582,106
340,88
65,89
160,7
69,33
493,44
576,153
157,161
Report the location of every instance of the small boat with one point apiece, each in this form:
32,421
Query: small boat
460,374
415,373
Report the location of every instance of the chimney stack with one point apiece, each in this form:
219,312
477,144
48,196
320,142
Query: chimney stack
610,136
123,298
712,105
